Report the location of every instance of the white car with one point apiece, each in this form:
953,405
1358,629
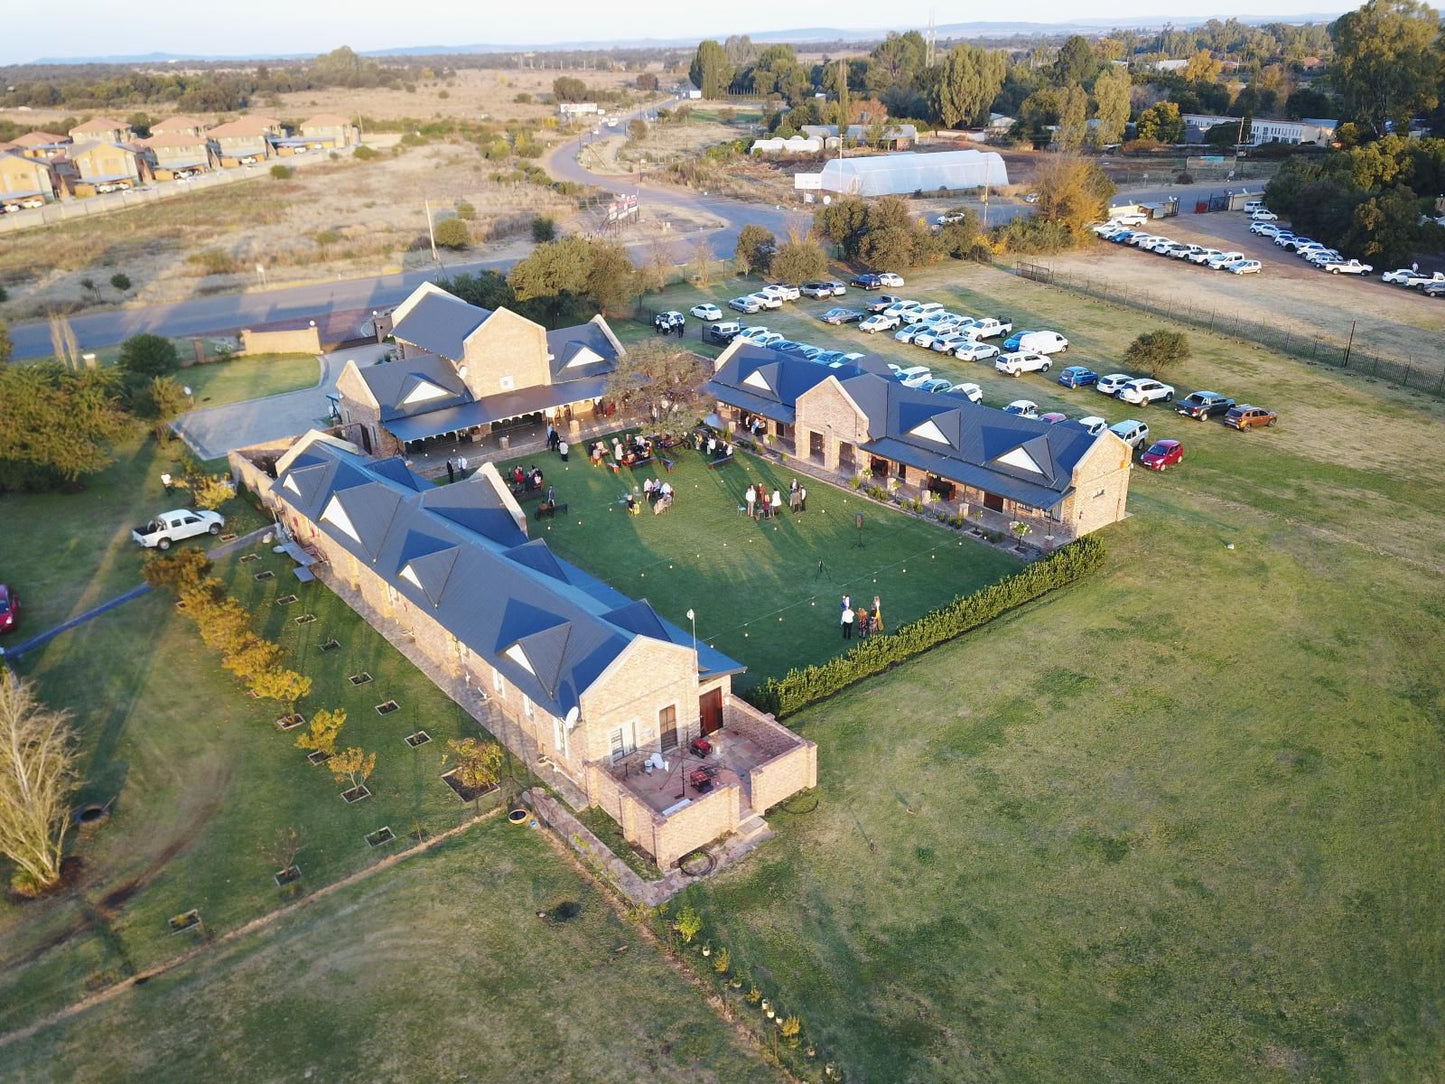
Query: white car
1041,342
1143,390
816,290
905,373
1186,252
1264,229
1203,256
1346,267
917,380
1224,259
1022,361
170,527
1132,218
947,344
782,290
905,334
1093,424
945,323
32,203
753,334
748,304
1131,431
706,311
1244,267
1408,276
1264,216
986,327
839,289
927,337
879,321
1110,385
767,301
1024,408
904,309
889,279
976,351
929,309
972,392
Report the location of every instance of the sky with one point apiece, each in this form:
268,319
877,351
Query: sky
275,27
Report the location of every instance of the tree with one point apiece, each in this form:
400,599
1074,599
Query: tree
178,568
466,212
1161,122
544,228
283,848
699,264
637,129
58,424
1203,68
1387,65
62,340
755,250
710,71
1155,351
1307,102
210,491
322,731
278,683
7,347
657,379
479,763
352,766
253,657
1076,63
148,355
1073,119
799,259
1386,228
281,173
485,289
568,88
1111,94
1073,192
645,81
560,276
969,81
140,124
37,757
453,233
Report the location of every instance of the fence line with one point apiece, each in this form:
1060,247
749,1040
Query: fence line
1311,347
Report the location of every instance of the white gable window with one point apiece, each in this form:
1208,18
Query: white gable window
1021,459
424,391
756,379
584,356
410,576
336,515
528,708
518,656
499,683
929,431
290,484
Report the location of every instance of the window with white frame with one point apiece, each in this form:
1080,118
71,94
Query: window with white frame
528,709
623,742
499,683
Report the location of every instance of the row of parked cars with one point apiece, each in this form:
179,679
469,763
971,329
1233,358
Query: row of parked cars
1214,259
1429,283
1315,252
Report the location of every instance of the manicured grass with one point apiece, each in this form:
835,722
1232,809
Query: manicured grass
199,779
250,378
66,552
766,593
436,969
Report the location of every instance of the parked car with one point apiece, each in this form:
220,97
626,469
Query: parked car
767,301
748,304
1078,376
1093,424
1408,276
1204,255
1203,405
1433,289
1024,408
917,380
883,302
724,332
947,344
927,337
1053,417
760,336
945,323
840,315
782,291
986,327
878,322
838,288
9,608
972,392
1131,218
1264,229
936,385
1040,342
1111,384
1245,416
972,350
706,311
1262,215
1161,454
1022,361
1145,390
1131,431
866,282
905,334
668,322
1346,267
889,279
1243,267
1253,205
905,372
906,309
175,526
816,290
1224,259
950,217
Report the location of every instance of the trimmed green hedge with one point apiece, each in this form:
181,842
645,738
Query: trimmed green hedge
799,688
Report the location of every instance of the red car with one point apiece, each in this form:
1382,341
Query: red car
1163,453
9,608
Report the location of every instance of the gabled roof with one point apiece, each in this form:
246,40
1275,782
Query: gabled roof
40,139
414,385
456,552
440,323
178,123
241,128
326,120
101,124
586,350
767,382
175,139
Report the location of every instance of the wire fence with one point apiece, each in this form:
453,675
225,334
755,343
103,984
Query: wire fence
1422,374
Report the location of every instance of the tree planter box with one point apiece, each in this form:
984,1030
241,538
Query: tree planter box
388,707
420,738
289,875
304,619
379,837
187,921
247,558
330,645
359,679
229,536
285,600
267,575
354,795
290,722
465,793
316,756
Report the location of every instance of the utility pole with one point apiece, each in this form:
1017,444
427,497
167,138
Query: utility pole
931,40
842,104
431,232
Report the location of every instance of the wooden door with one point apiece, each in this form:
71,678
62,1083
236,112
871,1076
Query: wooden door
993,501
710,706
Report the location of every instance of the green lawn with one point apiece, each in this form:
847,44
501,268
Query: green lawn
250,378
438,969
767,593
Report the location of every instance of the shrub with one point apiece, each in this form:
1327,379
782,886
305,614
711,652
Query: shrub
523,98
327,237
1155,351
453,233
281,173
149,355
799,688
120,280
366,154
213,261
543,229
688,924
1184,178
466,212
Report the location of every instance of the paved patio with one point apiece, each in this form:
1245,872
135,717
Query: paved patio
733,757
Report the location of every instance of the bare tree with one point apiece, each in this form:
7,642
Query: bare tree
37,757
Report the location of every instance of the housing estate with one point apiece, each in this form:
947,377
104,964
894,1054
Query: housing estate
595,690
24,179
177,153
464,369
103,167
1262,130
102,130
242,142
1059,478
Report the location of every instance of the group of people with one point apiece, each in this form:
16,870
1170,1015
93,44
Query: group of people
556,444
525,481
762,505
713,448
656,492
636,450
869,623
455,467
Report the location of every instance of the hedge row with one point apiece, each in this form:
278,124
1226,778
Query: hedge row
799,688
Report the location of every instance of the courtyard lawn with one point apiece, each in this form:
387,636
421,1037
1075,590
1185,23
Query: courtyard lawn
198,779
256,377
436,969
766,593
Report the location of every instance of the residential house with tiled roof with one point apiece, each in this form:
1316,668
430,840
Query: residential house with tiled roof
587,681
101,130
330,129
465,369
242,142
42,145
176,154
180,124
858,418
104,167
24,180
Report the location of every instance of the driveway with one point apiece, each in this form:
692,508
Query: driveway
213,432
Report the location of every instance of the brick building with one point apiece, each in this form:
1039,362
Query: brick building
104,167
591,685
1059,478
23,180
465,369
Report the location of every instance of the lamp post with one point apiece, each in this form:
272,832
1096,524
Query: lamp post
691,616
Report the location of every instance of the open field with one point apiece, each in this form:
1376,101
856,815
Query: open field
766,593
436,969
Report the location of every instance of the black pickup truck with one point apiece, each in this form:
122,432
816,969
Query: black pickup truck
1203,404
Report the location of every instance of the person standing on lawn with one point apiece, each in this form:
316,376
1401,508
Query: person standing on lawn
848,616
451,472
750,496
877,615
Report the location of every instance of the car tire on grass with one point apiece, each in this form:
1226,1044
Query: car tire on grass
215,528
163,544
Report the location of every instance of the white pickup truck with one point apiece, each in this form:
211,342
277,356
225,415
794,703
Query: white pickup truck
1023,361
985,327
183,523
